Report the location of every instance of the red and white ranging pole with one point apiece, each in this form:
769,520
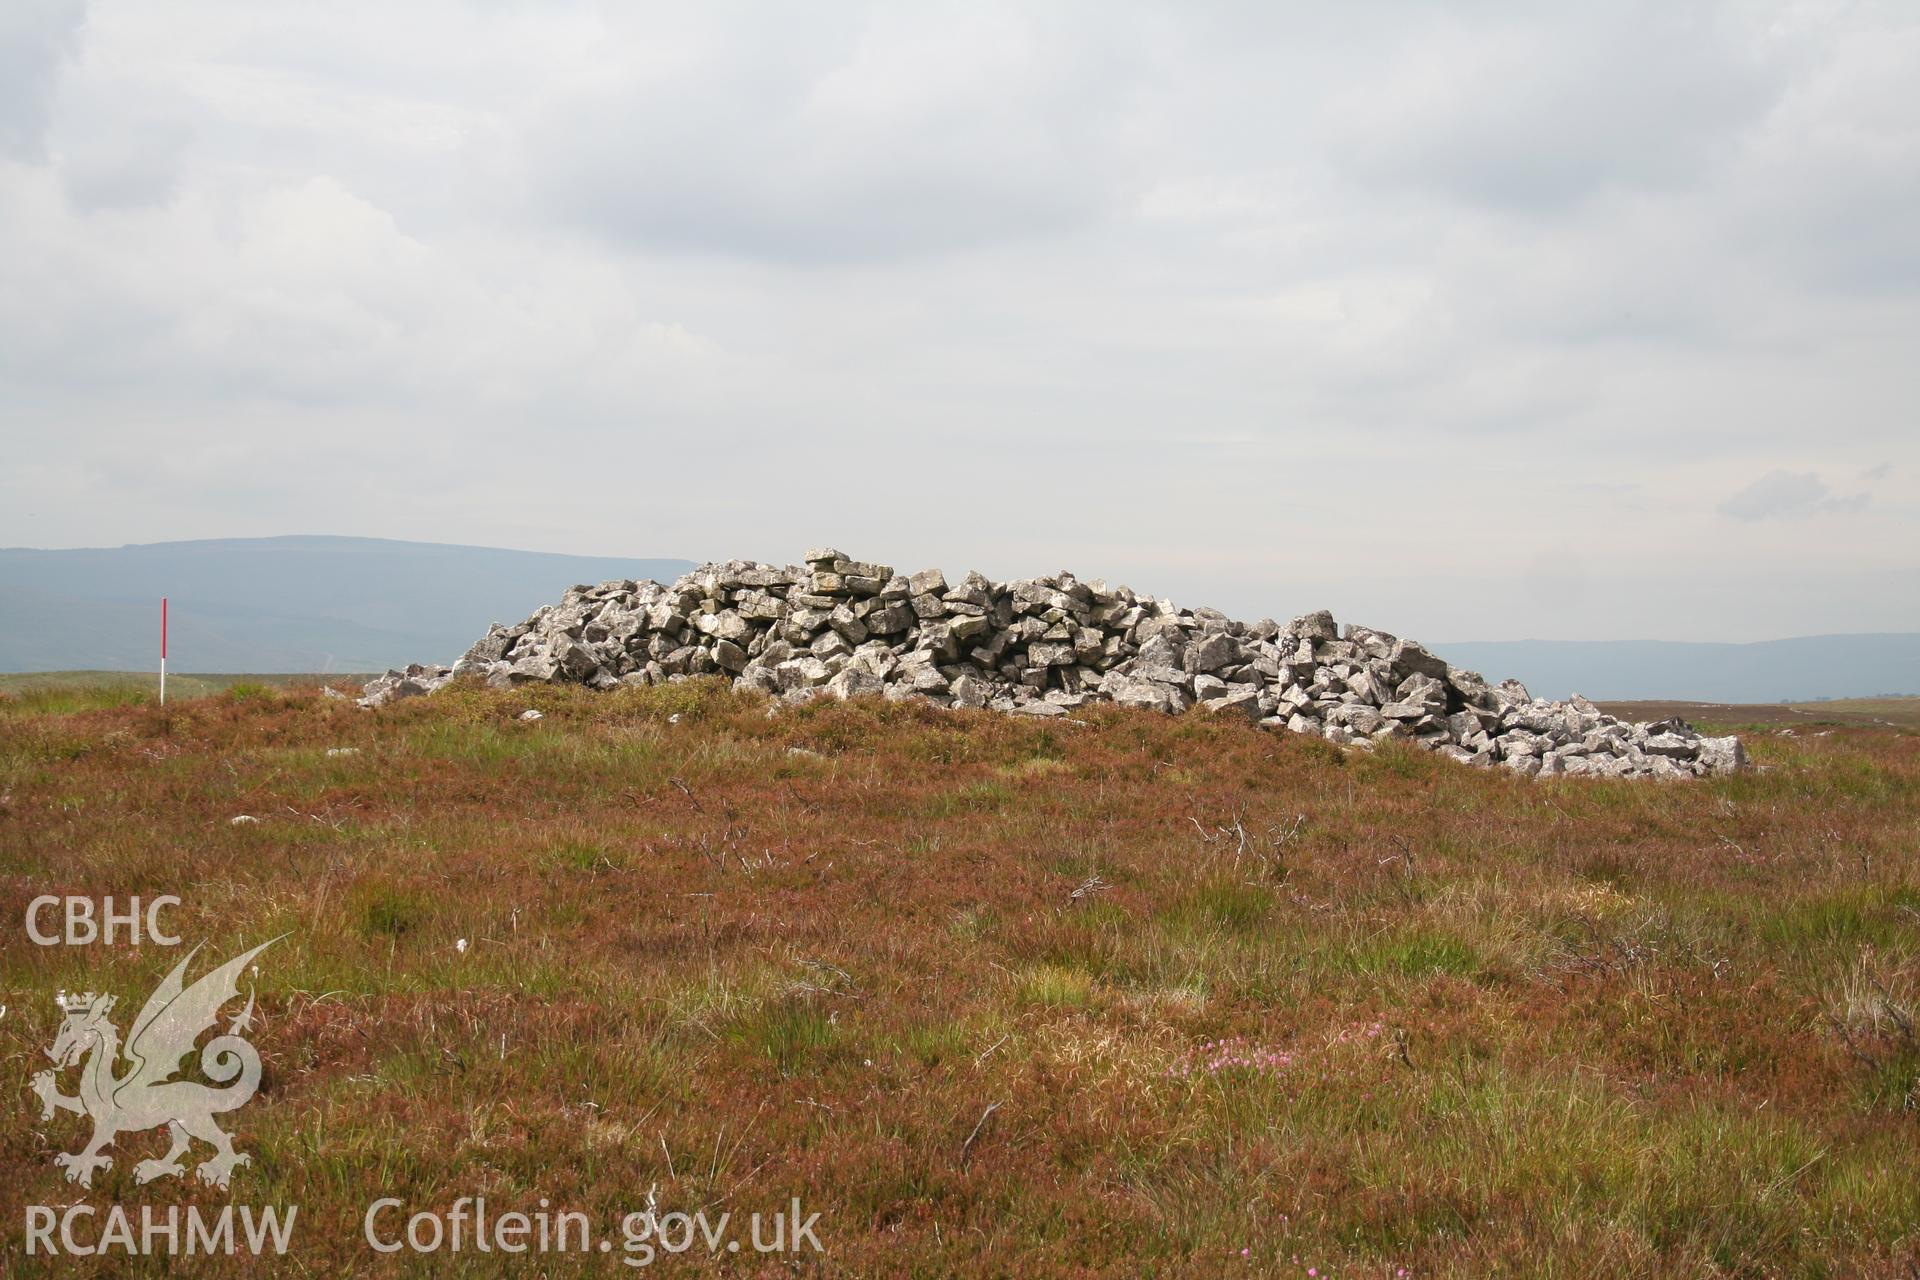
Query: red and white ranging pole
163,651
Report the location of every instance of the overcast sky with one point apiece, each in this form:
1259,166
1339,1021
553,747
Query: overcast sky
1471,321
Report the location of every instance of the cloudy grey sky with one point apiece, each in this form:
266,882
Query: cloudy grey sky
1474,320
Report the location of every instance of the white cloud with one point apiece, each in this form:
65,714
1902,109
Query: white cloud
36,37
1534,110
908,131
1396,309
1789,494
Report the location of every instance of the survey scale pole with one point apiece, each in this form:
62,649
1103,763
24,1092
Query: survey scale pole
163,651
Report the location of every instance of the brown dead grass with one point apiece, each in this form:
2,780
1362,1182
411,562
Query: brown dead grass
1623,1028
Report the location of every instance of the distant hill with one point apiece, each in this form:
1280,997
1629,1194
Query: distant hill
277,604
318,604
1839,666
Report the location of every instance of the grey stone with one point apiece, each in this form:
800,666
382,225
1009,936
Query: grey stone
807,672
1213,652
966,627
969,691
1044,654
724,625
1410,657
1316,626
830,644
761,606
1129,691
1240,703
1042,708
855,682
1671,745
804,624
973,589
1161,650
574,658
844,621
491,647
1055,642
758,679
890,621
1723,755
937,639
1359,717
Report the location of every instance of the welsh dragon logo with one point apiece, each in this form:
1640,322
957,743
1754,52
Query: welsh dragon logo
147,1095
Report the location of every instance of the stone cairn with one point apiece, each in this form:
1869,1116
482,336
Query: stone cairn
843,628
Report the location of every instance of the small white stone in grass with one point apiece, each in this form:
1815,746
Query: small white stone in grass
460,945
530,715
241,820
343,751
674,718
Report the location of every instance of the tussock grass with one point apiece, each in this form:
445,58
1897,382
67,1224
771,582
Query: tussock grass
1356,1013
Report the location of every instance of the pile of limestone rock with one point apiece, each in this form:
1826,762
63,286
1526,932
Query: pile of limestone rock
1042,646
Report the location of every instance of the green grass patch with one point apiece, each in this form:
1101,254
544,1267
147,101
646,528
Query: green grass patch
389,911
1414,953
791,1031
1054,986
